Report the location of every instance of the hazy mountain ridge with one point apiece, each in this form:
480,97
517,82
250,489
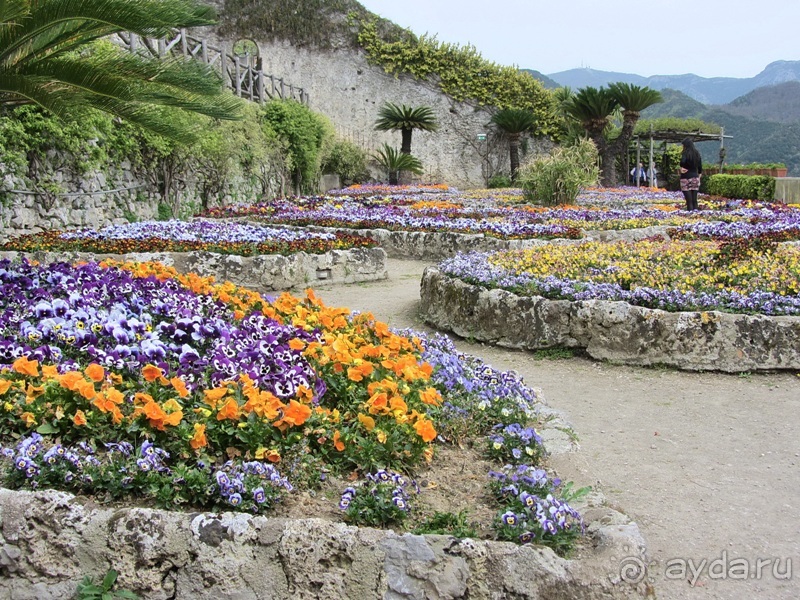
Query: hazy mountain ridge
708,90
763,140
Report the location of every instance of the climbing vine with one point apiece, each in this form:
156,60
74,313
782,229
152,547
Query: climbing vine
461,72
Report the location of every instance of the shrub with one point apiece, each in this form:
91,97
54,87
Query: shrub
348,161
750,187
558,178
499,181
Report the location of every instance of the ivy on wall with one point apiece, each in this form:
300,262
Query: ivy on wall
461,72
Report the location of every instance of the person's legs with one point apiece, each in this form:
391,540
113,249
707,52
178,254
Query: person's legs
687,194
694,200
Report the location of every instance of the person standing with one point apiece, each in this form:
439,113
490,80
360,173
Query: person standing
691,171
652,175
638,175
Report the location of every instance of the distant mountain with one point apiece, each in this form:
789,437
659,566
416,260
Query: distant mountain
763,140
548,83
708,90
780,103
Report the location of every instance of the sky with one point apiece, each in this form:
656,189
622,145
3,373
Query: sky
710,38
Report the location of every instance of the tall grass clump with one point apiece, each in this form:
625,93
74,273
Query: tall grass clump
557,178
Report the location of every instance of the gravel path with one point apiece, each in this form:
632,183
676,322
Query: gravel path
705,463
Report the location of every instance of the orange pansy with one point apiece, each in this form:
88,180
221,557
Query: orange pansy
296,413
367,422
152,372
179,386
229,410
430,396
70,380
199,438
50,372
425,430
79,418
5,384
337,442
25,366
95,372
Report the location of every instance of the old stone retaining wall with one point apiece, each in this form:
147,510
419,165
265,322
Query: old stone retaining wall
438,245
613,331
264,272
50,540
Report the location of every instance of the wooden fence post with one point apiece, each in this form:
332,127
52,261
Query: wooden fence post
237,73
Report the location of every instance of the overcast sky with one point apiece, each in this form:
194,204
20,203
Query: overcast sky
710,38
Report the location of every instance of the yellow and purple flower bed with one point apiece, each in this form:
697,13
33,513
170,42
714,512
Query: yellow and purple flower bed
745,274
494,213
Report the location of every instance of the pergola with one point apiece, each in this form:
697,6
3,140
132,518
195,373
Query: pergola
676,137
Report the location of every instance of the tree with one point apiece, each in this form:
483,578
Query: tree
514,122
405,119
48,58
594,108
306,135
394,162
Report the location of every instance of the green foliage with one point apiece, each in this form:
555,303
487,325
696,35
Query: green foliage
664,124
88,590
164,212
559,177
461,73
320,23
670,166
90,141
348,161
554,354
380,501
50,56
499,181
752,187
393,162
306,135
447,523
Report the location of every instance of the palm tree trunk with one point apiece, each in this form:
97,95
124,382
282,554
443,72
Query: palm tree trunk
405,147
513,147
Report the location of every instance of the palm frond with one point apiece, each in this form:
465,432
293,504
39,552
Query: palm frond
392,117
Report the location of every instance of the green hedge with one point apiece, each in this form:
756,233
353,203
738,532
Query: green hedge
751,187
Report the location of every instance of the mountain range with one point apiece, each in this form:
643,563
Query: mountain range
762,113
708,90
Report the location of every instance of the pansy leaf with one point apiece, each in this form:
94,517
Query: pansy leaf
46,428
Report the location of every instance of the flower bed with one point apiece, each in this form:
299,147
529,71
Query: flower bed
131,381
676,276
692,305
182,236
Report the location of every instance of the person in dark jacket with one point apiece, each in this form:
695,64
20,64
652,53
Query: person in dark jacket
691,171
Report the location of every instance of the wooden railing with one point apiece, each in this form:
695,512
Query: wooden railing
242,74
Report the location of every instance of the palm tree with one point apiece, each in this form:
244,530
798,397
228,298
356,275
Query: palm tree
394,162
594,108
47,57
632,99
514,122
405,119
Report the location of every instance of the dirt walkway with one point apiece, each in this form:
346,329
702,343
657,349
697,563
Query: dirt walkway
707,464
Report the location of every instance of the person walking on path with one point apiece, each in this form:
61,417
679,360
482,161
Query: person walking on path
691,171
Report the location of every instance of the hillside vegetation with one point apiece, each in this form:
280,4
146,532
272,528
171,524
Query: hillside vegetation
762,140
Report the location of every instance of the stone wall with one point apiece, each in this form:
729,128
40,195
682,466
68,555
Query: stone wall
613,331
346,88
50,540
263,272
